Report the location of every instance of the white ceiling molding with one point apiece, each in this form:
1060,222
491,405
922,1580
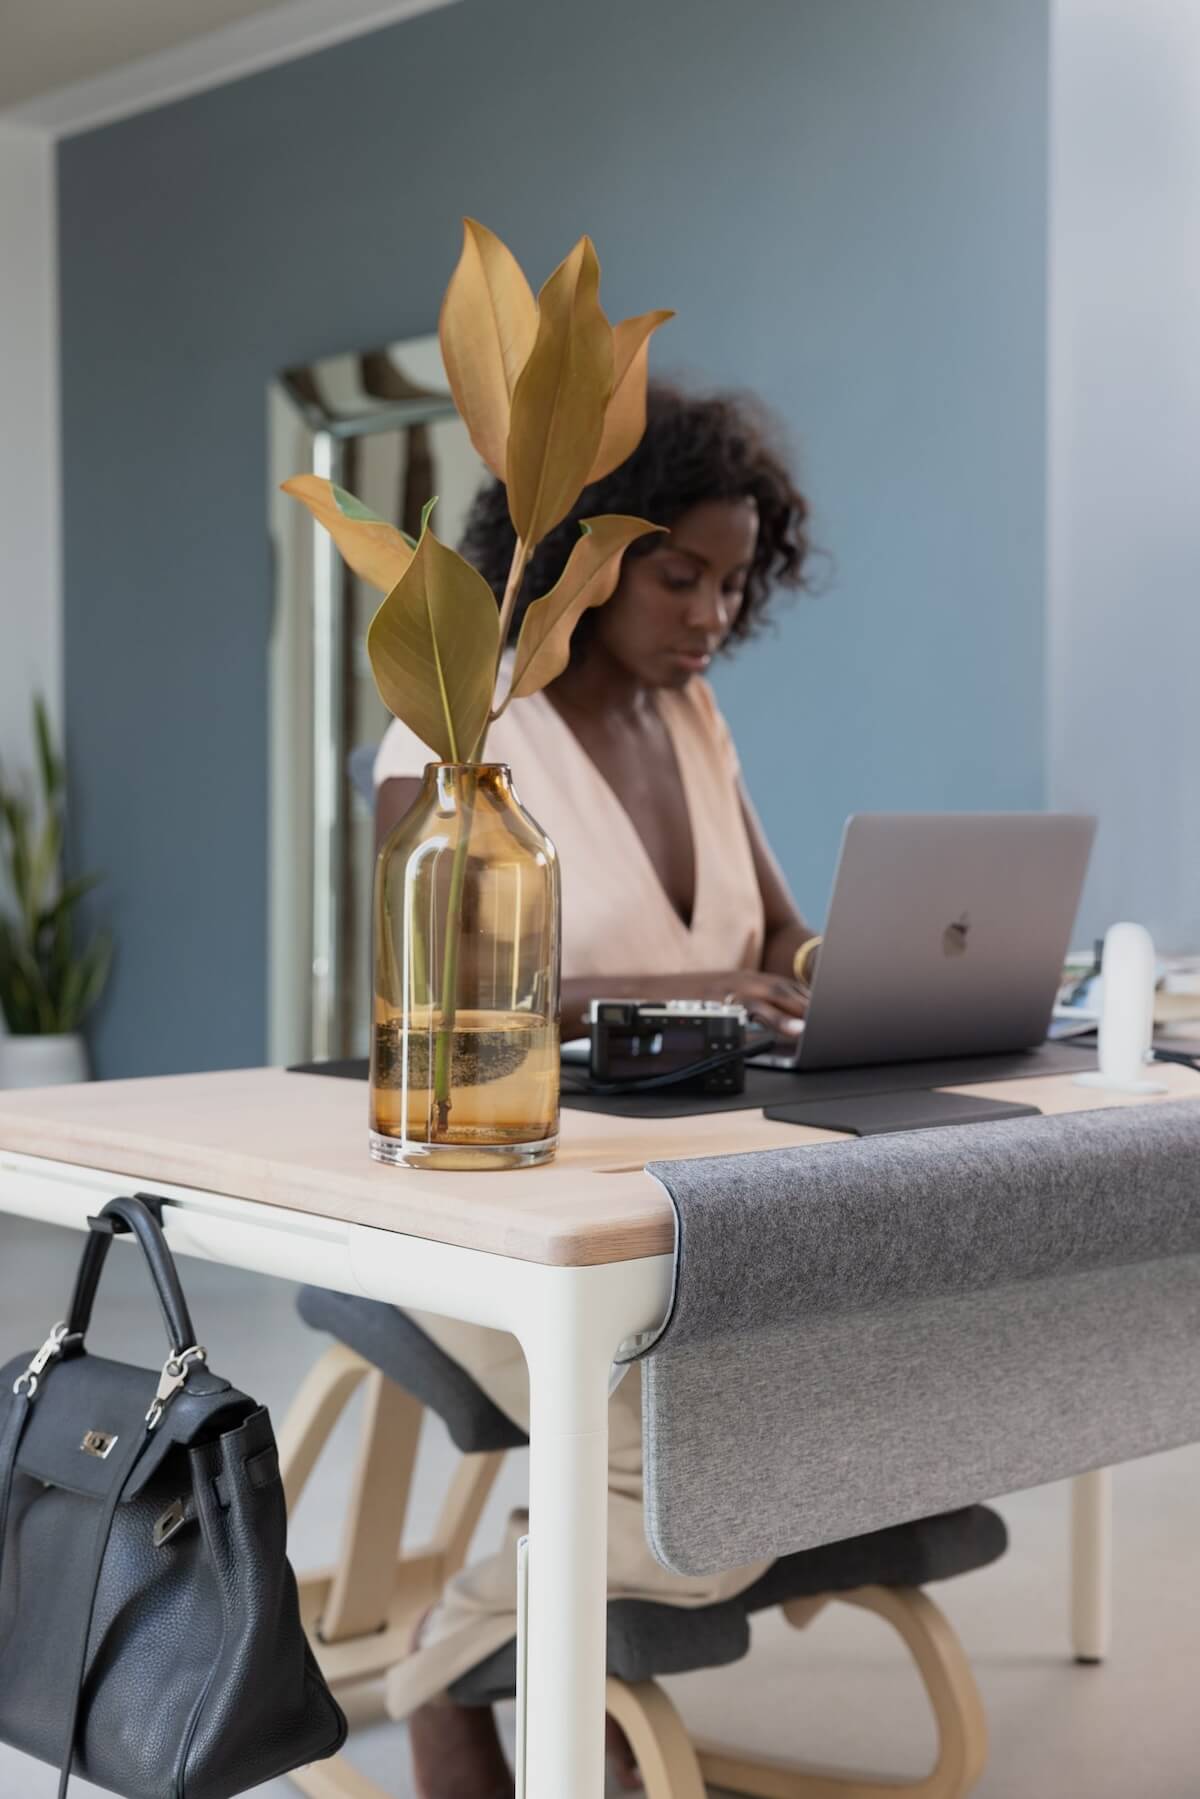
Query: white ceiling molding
261,42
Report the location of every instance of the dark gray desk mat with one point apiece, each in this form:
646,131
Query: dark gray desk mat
770,1087
353,1068
880,1114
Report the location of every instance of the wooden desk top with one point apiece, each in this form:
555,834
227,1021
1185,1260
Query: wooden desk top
301,1141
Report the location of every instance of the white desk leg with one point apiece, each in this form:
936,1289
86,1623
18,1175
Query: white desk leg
569,1362
570,1323
1091,1565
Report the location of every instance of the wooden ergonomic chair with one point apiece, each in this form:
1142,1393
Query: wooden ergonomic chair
361,1613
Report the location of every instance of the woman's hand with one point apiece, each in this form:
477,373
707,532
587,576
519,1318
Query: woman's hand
770,999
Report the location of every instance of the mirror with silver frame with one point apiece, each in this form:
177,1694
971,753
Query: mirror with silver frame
382,424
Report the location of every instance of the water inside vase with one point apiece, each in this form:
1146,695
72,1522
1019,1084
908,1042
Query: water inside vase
504,1072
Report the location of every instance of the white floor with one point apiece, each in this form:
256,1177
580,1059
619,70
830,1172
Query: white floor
1125,1731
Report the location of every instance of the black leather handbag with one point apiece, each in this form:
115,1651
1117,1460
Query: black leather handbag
150,1636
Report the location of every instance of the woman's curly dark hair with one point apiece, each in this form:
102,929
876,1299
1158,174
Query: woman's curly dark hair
695,448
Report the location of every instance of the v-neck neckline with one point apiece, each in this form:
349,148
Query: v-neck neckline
687,926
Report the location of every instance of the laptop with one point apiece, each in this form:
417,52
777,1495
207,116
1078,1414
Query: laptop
947,935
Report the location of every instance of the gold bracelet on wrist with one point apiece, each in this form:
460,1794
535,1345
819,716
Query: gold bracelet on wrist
803,957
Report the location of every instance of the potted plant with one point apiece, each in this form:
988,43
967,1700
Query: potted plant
464,1063
48,983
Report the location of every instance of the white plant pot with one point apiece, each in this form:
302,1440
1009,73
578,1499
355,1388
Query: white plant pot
51,1061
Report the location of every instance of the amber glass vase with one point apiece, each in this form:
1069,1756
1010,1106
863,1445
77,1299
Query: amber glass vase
464,1045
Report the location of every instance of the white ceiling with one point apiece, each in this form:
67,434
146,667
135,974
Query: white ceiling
66,65
47,44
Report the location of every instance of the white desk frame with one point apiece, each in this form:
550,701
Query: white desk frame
570,1323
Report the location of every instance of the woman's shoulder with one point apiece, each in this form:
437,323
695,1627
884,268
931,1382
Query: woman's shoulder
697,704
700,698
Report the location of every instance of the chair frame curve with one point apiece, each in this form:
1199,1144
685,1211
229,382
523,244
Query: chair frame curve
361,1613
949,1683
360,1616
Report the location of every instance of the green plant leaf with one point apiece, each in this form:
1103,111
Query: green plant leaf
69,897
43,870
433,646
625,419
70,997
351,507
488,324
591,574
560,399
49,764
32,1008
14,992
43,982
378,553
85,983
15,811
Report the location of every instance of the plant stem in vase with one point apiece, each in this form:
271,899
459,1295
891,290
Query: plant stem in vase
442,1066
449,996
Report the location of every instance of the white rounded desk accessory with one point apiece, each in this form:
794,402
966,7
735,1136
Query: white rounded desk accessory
1126,1013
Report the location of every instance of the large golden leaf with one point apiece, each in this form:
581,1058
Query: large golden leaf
544,646
487,328
375,550
433,646
560,398
625,420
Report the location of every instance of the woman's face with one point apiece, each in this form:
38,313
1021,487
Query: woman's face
674,606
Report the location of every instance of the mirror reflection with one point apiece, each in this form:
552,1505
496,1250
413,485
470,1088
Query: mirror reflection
380,423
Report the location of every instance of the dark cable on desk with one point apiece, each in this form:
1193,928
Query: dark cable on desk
1177,1056
671,1077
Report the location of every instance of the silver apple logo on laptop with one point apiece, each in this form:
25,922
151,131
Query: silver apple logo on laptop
954,937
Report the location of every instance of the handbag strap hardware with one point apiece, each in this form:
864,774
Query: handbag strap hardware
171,1523
173,1376
30,1379
262,1470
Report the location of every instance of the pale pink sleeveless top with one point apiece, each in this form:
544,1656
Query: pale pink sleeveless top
617,918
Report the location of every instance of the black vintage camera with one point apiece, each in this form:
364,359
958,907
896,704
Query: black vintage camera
669,1042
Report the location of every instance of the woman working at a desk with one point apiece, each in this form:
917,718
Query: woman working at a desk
627,764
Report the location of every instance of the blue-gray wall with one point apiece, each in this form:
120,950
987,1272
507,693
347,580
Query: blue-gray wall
845,199
1124,446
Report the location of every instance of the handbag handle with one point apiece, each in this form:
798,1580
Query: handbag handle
139,1215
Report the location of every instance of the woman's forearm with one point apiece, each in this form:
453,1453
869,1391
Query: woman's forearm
781,944
785,928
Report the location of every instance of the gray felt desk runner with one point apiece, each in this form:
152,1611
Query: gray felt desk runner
869,1331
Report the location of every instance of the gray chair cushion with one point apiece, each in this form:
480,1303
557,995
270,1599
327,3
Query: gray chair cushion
387,1338
904,1555
646,1640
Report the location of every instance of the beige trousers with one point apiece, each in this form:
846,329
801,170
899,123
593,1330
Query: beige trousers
478,1611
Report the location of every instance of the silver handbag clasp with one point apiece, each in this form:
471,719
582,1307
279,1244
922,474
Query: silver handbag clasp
30,1378
174,1374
